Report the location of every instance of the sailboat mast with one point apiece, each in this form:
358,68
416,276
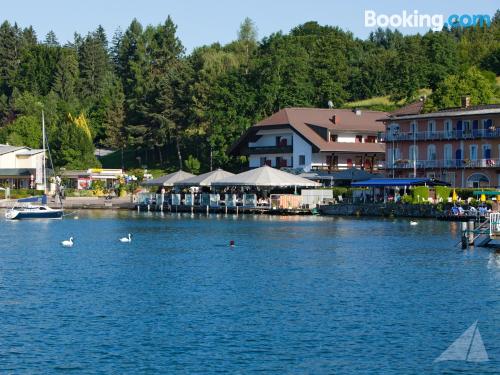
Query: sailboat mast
44,172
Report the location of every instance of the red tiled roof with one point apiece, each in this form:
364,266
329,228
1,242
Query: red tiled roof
302,119
414,108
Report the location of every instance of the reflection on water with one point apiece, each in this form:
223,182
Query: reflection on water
295,295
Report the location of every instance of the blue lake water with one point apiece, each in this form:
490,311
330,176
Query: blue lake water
308,295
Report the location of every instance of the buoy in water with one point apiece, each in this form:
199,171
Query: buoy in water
231,243
76,218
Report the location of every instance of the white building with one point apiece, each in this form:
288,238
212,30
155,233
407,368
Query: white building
315,139
21,167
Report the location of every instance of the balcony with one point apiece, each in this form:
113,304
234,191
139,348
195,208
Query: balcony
336,168
448,164
271,150
444,135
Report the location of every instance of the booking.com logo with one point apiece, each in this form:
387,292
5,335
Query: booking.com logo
415,19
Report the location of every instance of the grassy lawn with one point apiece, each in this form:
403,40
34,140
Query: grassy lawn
382,103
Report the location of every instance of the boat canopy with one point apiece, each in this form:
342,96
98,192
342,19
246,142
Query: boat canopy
38,199
382,182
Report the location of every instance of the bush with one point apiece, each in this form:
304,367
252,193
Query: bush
420,194
21,193
442,193
407,198
336,191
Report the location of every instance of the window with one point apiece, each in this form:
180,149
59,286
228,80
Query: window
448,129
413,127
487,123
431,156
278,140
431,152
467,127
280,161
431,126
359,139
486,151
473,152
333,137
370,139
302,159
397,154
413,152
262,161
448,152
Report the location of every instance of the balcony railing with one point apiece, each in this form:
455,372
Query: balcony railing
336,168
452,163
443,135
271,150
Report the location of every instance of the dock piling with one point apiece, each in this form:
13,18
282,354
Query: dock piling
470,232
464,235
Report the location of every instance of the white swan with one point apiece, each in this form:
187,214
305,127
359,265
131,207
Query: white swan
126,239
413,222
67,243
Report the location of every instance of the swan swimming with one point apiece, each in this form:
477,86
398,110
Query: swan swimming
67,243
413,222
126,239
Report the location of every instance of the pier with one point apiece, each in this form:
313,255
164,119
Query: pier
481,234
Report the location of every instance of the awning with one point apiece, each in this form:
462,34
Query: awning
168,179
16,172
487,192
205,179
382,182
265,176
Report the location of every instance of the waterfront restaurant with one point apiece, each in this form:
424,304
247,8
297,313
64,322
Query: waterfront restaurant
250,189
82,179
315,139
392,189
458,145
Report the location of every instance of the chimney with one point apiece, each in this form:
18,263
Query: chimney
465,101
333,119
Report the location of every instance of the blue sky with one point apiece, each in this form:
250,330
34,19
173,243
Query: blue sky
204,22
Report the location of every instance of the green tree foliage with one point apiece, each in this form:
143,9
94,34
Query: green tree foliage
472,81
24,131
192,164
66,75
72,144
144,94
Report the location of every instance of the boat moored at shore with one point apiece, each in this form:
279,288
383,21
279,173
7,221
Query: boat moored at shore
26,209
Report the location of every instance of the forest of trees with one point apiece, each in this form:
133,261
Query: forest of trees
141,92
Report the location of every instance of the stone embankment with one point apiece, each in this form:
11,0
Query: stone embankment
384,210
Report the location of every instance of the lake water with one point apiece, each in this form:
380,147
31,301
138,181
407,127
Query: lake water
308,295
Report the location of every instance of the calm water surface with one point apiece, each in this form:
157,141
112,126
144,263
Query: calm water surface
295,295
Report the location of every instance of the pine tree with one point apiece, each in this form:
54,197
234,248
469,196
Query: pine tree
66,75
